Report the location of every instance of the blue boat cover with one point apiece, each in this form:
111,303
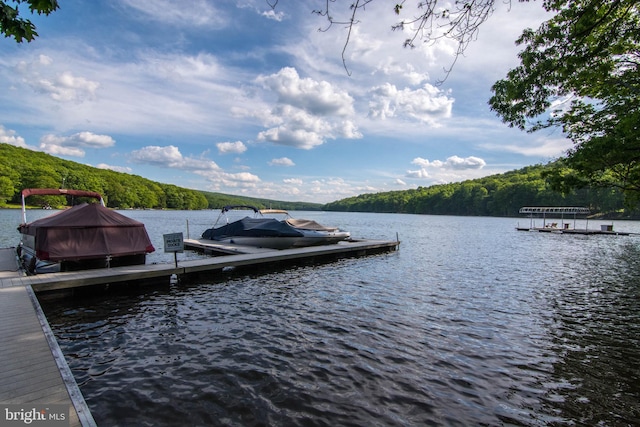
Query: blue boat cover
252,227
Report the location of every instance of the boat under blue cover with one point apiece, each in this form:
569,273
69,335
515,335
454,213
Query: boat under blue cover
252,227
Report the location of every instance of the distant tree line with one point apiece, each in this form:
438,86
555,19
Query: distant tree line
22,168
496,195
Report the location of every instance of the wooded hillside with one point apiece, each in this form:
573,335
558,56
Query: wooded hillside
22,168
496,195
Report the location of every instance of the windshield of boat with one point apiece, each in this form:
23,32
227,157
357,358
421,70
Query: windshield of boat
231,214
279,214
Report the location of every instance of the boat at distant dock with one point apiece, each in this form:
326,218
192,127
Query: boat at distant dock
265,230
85,236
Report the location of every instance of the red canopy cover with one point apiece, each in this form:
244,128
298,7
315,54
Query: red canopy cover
87,231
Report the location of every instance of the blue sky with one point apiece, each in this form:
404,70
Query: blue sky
234,97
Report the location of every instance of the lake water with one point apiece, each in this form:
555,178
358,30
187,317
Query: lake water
470,323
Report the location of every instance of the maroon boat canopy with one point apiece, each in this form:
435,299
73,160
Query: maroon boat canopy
59,191
87,231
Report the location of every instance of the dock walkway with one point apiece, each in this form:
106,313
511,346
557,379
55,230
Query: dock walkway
132,273
34,370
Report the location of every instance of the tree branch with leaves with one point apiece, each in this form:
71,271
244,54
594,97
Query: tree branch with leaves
12,24
580,71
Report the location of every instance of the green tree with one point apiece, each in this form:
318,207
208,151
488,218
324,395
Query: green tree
581,71
13,25
7,190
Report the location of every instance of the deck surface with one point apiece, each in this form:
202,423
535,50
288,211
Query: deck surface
32,371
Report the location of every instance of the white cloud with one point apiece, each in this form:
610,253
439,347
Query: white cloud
170,157
231,147
541,147
271,14
9,137
293,181
75,144
124,169
426,163
148,92
224,181
59,85
307,111
194,13
316,97
455,168
453,162
420,174
427,104
282,161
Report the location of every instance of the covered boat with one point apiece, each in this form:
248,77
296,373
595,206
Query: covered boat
272,233
81,237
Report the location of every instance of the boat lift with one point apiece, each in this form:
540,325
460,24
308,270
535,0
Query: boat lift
544,210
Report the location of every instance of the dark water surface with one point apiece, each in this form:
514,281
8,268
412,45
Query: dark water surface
470,323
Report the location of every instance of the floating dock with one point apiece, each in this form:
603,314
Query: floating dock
34,370
606,231
565,226
242,256
34,373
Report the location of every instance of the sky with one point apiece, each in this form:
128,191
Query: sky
240,98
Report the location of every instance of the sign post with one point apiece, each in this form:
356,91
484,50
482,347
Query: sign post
173,242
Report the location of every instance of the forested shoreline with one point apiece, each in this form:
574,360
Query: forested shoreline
496,195
22,168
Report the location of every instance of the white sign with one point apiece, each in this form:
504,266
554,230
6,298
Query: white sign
173,242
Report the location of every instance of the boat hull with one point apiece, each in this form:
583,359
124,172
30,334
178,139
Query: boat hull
34,265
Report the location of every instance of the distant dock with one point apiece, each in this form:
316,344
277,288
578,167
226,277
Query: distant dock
608,230
554,221
34,370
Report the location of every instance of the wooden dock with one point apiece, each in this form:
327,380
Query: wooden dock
34,370
243,258
34,373
582,231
